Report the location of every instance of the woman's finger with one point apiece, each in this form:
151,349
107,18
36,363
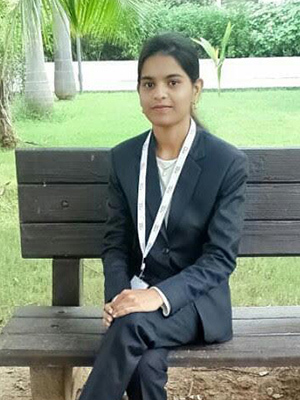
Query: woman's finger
107,308
107,317
124,311
106,324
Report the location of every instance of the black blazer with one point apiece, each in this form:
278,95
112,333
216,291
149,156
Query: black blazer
193,256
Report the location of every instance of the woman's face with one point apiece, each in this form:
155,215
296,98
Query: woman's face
166,91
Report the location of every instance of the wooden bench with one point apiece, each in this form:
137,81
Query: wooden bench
62,197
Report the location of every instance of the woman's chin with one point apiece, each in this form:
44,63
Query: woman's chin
162,120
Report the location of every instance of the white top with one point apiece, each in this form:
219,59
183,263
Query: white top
165,169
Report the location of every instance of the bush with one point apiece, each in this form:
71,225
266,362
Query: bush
260,30
275,29
193,21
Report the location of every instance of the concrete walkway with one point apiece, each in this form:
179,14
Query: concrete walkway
237,73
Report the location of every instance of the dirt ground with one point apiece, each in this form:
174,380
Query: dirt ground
193,384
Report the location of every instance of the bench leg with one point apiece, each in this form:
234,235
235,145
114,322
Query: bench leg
55,383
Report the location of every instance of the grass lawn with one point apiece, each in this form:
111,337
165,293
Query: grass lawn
244,118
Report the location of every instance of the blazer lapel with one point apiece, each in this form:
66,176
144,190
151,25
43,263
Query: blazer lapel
187,181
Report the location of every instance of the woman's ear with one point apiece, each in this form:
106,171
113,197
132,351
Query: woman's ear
198,86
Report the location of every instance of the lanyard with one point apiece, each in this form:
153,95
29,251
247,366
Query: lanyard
166,200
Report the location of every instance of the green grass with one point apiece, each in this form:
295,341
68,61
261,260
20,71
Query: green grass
244,118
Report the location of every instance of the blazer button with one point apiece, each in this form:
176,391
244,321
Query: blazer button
166,250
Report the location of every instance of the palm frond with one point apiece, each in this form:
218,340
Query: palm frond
225,40
108,19
209,49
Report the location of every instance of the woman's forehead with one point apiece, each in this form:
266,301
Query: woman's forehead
161,66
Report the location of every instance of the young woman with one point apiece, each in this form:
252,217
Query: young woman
175,215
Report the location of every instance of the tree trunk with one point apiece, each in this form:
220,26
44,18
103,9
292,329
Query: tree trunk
8,138
64,80
78,50
38,95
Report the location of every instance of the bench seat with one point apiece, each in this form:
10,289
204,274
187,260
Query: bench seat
70,336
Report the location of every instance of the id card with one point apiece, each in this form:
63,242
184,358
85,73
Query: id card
138,283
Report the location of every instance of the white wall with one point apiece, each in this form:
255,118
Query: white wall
236,73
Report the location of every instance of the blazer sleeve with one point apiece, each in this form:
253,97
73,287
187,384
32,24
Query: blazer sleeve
218,258
117,239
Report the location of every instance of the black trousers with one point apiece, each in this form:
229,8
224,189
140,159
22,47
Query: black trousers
133,354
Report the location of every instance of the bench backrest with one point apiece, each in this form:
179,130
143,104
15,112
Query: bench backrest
62,196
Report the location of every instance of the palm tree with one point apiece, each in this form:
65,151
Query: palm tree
64,80
114,21
98,17
38,95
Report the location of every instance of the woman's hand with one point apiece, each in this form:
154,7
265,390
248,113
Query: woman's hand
107,315
132,300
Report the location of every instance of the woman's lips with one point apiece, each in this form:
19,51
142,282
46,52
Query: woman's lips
160,108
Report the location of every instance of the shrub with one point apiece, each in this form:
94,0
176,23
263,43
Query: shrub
275,29
260,30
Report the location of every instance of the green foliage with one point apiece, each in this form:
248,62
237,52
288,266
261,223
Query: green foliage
13,68
3,12
275,29
21,111
217,56
175,3
259,29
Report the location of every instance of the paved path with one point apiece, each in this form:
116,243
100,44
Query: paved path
236,73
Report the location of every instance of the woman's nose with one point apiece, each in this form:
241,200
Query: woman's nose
160,92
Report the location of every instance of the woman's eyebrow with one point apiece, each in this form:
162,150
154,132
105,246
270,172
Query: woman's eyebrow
167,77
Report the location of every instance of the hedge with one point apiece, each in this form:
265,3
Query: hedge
260,29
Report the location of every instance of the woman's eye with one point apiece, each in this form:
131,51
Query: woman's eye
173,83
148,84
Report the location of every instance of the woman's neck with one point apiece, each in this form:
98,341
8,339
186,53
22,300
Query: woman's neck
169,140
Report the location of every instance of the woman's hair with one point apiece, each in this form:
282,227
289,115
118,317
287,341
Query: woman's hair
177,46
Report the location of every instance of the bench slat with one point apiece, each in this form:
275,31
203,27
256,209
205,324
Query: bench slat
242,352
79,350
87,202
63,203
277,312
83,240
270,238
28,326
65,165
58,312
